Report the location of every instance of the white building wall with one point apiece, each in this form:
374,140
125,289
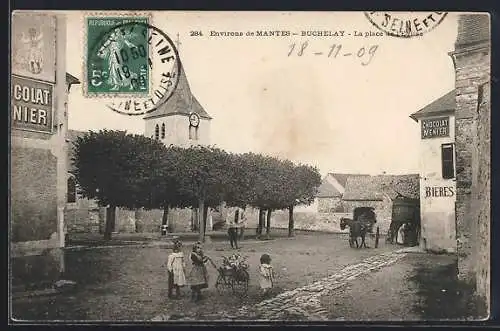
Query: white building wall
177,130
438,231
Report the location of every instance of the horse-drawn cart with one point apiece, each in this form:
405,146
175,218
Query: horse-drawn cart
361,226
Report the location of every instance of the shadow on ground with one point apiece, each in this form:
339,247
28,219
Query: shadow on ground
442,296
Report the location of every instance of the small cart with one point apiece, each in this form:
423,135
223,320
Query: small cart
232,280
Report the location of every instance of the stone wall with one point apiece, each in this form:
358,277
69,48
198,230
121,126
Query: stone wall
330,205
472,68
327,222
82,216
33,194
480,204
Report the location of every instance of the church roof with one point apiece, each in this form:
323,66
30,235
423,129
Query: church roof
444,104
182,101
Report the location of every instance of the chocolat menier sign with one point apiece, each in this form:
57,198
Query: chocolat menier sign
435,127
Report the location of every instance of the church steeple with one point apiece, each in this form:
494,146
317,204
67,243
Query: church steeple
182,100
171,123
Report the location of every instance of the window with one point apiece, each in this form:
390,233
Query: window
448,161
157,132
193,132
71,190
163,131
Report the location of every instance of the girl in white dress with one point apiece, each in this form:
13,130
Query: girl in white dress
176,267
266,274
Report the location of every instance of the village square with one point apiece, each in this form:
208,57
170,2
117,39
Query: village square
164,224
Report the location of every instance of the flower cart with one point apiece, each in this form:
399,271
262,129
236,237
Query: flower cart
233,275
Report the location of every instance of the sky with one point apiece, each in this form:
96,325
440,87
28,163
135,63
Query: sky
333,113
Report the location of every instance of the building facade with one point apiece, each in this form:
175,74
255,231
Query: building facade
38,126
331,191
380,192
437,174
472,62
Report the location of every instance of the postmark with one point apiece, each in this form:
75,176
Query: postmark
405,24
139,66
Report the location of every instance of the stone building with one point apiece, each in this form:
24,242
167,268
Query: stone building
437,174
471,59
330,192
380,192
38,125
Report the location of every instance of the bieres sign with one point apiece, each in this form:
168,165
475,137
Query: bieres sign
31,105
435,127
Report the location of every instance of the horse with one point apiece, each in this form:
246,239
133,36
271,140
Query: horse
356,229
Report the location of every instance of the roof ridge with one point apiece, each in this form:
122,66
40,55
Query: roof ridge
182,100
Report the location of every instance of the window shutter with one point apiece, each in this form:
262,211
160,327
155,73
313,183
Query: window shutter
447,161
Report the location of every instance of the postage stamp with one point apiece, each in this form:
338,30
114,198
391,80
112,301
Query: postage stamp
115,60
404,24
129,62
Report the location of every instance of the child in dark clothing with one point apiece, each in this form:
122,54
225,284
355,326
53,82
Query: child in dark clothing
198,276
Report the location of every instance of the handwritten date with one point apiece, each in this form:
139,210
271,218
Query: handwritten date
365,54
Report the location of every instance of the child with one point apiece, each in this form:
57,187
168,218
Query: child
198,276
266,274
176,270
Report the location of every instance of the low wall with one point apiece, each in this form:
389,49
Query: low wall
310,221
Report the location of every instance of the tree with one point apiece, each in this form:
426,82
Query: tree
202,175
303,188
165,192
262,186
116,169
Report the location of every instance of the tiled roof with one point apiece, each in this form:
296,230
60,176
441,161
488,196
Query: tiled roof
363,188
406,186
473,29
373,188
182,101
327,190
446,103
342,178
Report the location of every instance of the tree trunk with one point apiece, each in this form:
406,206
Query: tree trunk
260,226
291,229
205,216
268,225
110,222
164,219
201,220
195,220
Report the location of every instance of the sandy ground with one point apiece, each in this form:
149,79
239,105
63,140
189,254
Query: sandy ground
129,283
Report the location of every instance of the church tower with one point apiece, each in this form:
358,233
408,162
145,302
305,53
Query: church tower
181,120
